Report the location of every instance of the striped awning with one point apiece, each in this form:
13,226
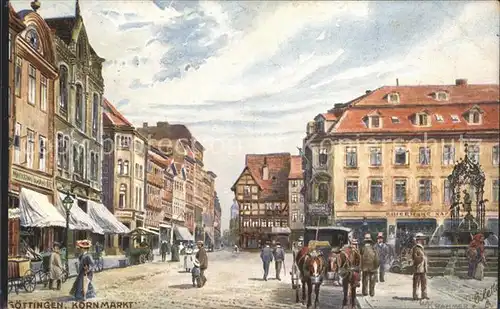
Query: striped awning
182,233
78,219
37,211
105,219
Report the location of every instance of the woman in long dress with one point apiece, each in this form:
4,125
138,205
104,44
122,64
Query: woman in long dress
83,288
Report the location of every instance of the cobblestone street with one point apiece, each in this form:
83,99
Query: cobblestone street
234,281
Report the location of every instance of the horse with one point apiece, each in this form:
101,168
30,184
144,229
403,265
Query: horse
312,268
348,262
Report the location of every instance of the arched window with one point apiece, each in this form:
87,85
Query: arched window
123,194
92,165
80,50
63,89
79,107
81,160
136,171
321,192
119,167
95,115
125,168
76,157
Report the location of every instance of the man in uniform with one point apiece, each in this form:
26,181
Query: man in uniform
266,255
279,258
383,253
420,267
202,258
369,265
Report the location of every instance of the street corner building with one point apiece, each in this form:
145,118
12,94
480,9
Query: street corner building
296,197
261,192
382,160
124,178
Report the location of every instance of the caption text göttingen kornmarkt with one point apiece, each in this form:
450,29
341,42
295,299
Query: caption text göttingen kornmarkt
72,305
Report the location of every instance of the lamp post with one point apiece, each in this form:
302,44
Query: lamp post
67,204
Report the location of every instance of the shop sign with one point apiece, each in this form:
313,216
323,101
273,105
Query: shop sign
417,214
320,209
124,214
32,179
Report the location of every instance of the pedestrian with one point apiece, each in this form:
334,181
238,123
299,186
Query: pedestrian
383,252
163,250
420,267
174,254
266,255
369,265
475,254
82,288
55,267
279,259
202,258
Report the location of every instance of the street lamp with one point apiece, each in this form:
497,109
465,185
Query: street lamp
67,204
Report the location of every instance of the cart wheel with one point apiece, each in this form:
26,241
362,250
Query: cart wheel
142,259
29,281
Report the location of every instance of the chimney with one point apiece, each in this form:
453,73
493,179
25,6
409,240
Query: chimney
461,82
397,81
144,124
368,91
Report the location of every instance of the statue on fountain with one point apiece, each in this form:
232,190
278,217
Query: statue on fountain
467,202
469,223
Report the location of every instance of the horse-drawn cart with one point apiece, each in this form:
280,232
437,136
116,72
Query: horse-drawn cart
143,252
20,275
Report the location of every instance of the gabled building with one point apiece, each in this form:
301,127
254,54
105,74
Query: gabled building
261,192
381,161
295,197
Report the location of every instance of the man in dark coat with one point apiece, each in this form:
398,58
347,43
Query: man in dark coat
383,252
174,253
163,250
369,265
266,255
202,258
279,258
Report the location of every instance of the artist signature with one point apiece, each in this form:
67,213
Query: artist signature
477,298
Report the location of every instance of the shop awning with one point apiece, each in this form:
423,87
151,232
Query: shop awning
182,233
105,219
165,226
280,230
151,230
37,211
78,219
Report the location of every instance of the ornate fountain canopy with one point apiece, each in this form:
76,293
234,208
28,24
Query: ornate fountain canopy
467,171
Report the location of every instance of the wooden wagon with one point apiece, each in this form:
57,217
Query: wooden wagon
143,252
20,275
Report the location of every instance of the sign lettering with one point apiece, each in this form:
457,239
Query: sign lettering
417,214
320,209
123,214
32,179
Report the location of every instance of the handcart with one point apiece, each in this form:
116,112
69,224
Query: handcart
20,275
42,275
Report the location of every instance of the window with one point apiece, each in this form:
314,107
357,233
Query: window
246,191
92,165
60,149
495,155
295,198
80,50
79,108
439,118
321,192
31,84
351,157
352,191
424,156
125,167
42,155
393,98
424,190
95,115
441,96
395,119
18,76
66,153
400,156
376,191
474,117
422,119
63,89
375,156
10,46
119,167
294,216
400,191
17,143
81,160
496,188
473,153
43,93
136,170
123,193
30,148
448,155
374,122
323,156
447,193
455,118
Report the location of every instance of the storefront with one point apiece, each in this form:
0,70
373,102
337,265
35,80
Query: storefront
106,220
165,231
182,234
362,226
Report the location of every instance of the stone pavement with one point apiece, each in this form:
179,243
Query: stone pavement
234,282
444,292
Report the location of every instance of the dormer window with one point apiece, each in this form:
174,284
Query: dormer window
474,117
439,118
422,119
320,126
441,96
395,119
393,97
455,118
374,122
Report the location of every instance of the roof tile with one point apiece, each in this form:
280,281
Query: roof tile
276,187
296,168
113,116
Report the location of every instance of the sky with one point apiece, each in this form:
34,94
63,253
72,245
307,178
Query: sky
247,76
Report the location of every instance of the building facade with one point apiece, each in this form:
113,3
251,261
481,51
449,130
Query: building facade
179,205
208,201
124,172
295,197
261,192
167,202
383,158
32,72
156,168
217,222
78,112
